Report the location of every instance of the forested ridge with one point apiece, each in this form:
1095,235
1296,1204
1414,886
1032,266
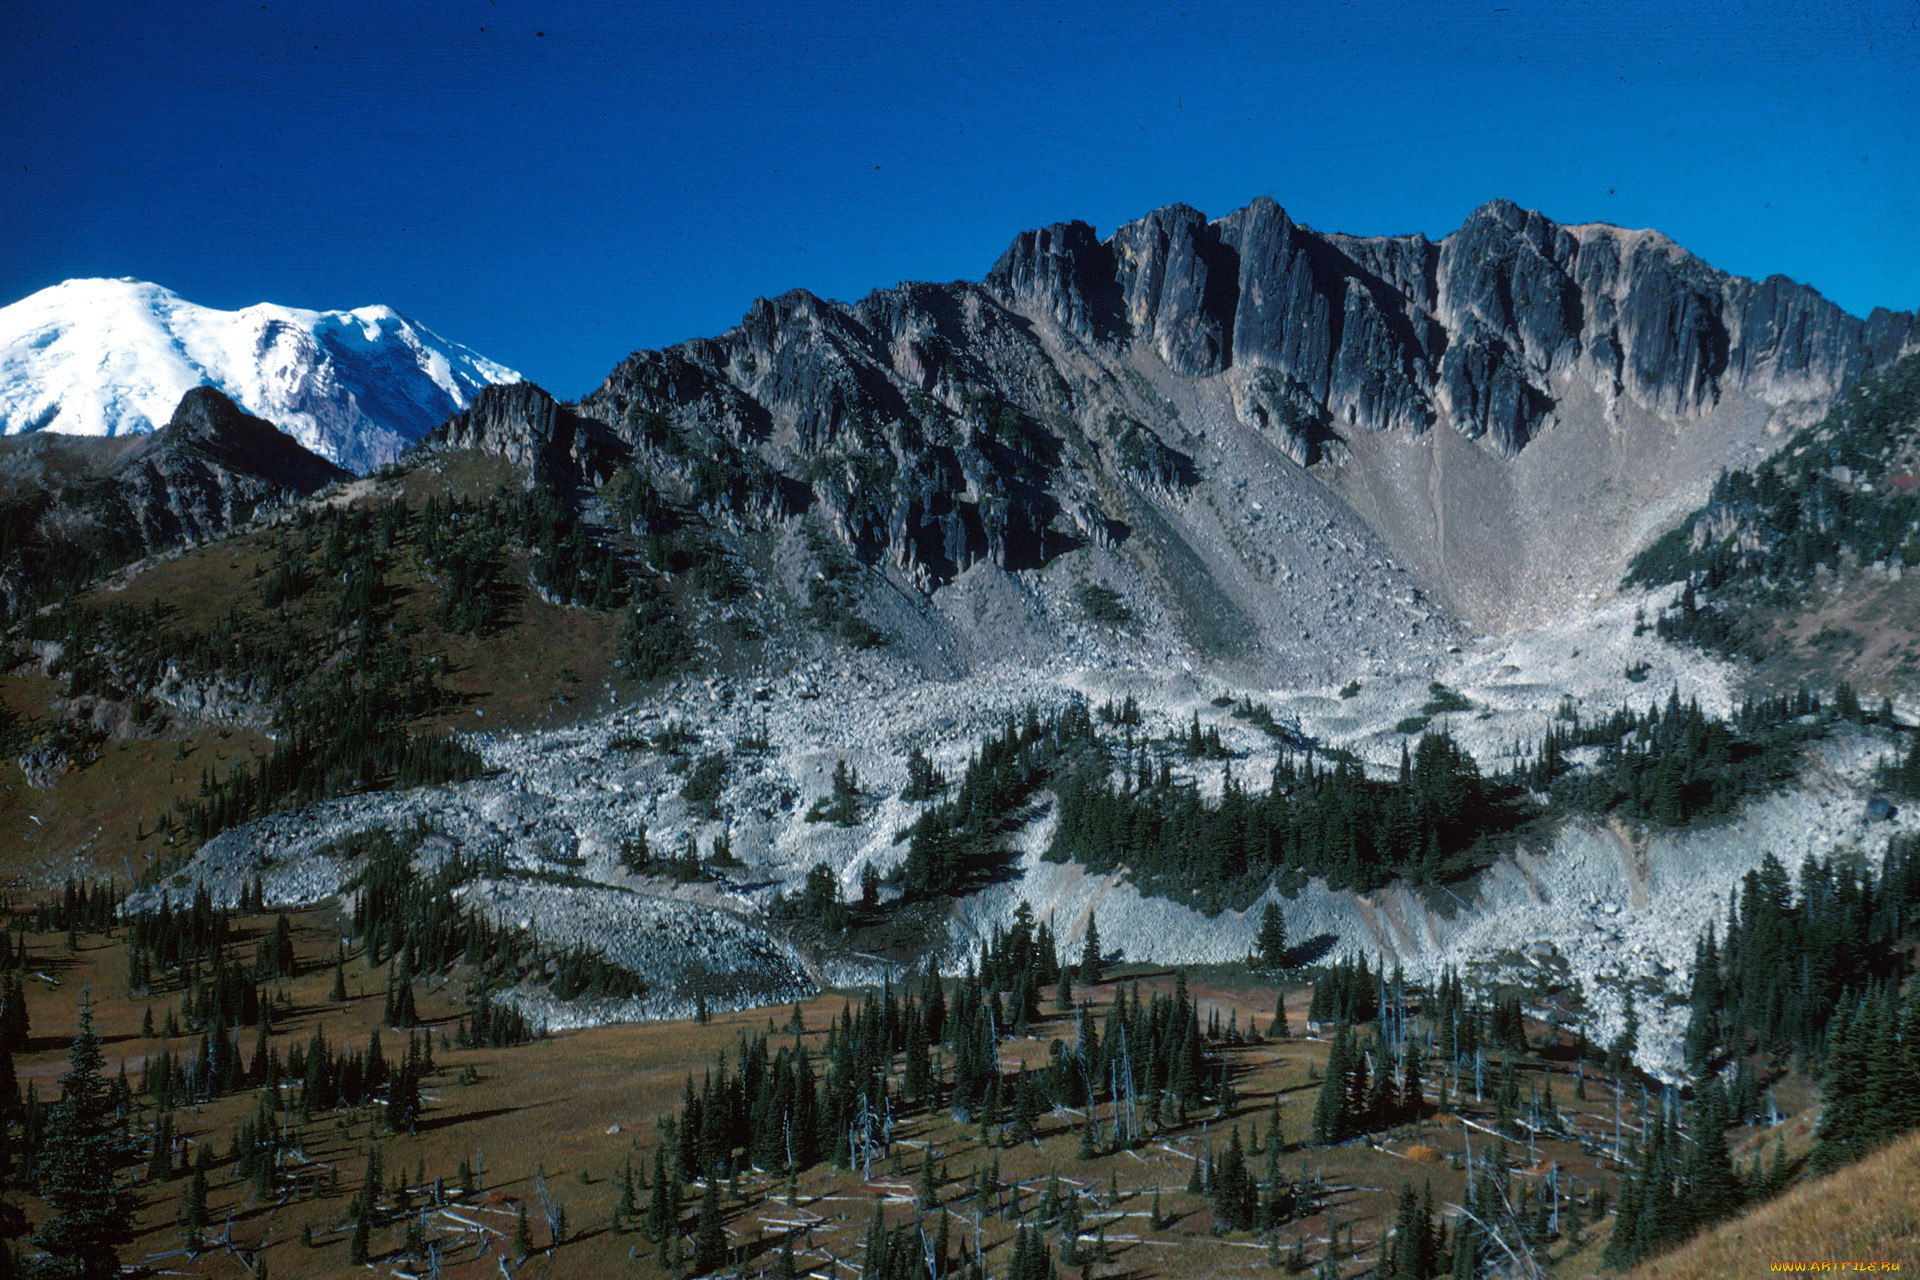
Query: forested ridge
1840,495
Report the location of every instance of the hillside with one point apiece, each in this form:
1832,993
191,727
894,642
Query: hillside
1077,585
1800,564
1855,1218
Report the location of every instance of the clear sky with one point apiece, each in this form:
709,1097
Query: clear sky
558,182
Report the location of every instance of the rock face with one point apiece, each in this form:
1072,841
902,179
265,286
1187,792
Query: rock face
530,429
1510,410
1404,333
211,467
73,505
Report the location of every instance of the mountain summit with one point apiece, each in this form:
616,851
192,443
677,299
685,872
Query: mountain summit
113,357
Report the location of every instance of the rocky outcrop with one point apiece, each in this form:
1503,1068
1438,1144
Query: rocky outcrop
76,506
527,427
210,468
1402,332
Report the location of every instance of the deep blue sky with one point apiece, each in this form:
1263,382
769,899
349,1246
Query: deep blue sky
639,173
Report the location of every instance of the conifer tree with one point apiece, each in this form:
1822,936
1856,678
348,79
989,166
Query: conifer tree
709,1236
13,1223
1233,1192
361,1240
1270,948
1092,965
160,1163
1330,1107
522,1235
193,1206
90,1214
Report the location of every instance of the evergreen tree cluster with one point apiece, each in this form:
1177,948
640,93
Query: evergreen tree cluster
1870,1082
818,903
1367,1086
779,1109
954,843
1790,956
43,562
1823,494
1429,822
1349,991
1683,1180
416,920
1675,764
86,906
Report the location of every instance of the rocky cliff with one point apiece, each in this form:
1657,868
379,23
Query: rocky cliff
1509,412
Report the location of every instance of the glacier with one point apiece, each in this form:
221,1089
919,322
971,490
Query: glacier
107,357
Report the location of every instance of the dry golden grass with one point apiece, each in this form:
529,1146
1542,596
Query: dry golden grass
1869,1213
548,1108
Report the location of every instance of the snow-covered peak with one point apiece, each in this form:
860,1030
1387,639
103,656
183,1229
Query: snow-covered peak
112,357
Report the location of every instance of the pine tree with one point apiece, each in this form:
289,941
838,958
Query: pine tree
1271,945
710,1235
13,1223
1714,1192
522,1236
160,1163
1233,1191
362,1239
193,1206
90,1215
1092,965
1330,1107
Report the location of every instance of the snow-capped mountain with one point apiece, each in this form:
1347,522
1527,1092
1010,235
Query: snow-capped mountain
113,357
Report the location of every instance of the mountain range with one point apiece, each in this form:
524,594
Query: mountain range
1501,613
113,357
1295,490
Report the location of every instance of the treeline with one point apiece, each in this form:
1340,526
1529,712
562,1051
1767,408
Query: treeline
1436,817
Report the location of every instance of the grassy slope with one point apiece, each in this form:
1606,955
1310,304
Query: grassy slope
1867,1213
626,1075
98,820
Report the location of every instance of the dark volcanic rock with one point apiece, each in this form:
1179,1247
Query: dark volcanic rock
211,467
74,506
524,425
